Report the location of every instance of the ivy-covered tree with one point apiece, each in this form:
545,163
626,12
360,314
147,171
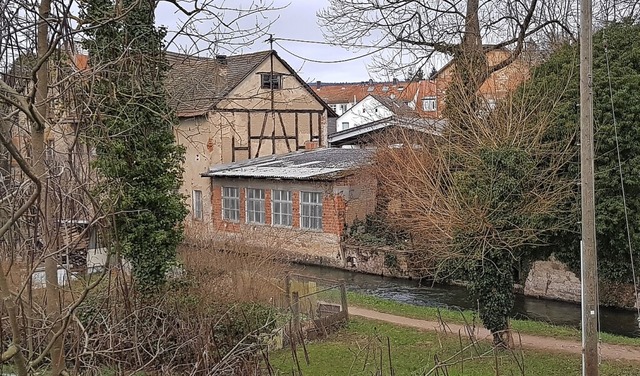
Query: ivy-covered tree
136,153
616,62
481,194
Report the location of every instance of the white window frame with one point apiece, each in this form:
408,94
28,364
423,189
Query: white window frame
344,108
230,213
312,220
196,204
280,217
255,206
429,104
344,125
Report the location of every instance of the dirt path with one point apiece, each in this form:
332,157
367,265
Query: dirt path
613,352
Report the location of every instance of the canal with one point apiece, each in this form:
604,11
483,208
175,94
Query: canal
615,321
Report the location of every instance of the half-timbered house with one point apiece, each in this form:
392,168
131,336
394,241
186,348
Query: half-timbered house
233,108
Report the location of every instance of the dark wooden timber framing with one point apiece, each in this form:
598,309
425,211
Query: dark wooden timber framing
314,134
233,149
273,133
319,129
297,132
310,126
249,135
284,132
264,124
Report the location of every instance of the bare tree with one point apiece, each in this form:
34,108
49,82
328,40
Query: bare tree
478,196
46,180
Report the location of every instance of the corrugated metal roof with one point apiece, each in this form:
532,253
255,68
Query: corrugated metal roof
318,164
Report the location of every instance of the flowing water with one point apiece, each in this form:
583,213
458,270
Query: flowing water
616,321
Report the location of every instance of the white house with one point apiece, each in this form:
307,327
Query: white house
371,109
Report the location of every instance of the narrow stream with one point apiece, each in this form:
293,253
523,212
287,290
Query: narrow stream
612,320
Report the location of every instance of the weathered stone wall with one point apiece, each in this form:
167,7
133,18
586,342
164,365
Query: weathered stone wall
381,261
553,280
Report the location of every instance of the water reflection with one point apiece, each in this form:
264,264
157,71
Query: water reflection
614,321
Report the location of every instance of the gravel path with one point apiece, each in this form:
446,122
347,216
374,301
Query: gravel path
607,351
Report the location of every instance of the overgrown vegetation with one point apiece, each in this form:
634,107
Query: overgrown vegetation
616,49
477,197
375,231
137,156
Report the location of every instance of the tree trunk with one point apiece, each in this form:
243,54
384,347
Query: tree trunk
45,203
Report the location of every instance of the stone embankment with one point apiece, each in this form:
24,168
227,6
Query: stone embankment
553,280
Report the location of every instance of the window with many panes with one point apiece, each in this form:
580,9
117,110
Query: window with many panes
231,204
196,206
311,210
271,81
281,208
255,206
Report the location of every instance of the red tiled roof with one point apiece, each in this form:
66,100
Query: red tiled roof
334,93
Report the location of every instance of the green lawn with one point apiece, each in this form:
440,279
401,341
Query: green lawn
361,349
458,317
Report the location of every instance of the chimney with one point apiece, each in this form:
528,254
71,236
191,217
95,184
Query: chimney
318,83
310,145
395,81
221,59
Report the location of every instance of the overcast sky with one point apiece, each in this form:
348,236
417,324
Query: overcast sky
298,21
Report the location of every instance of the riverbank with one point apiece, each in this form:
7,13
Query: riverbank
394,338
616,321
368,347
459,317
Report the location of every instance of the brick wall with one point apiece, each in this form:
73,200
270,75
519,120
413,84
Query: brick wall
344,200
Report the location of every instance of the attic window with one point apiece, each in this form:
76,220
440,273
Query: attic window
385,88
370,89
271,81
400,88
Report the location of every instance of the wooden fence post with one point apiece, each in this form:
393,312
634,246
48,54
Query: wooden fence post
295,310
287,288
343,300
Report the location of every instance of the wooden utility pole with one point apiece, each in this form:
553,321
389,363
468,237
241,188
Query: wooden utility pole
588,251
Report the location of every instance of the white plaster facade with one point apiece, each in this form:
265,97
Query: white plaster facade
366,111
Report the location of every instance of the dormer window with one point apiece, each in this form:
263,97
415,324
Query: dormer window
271,81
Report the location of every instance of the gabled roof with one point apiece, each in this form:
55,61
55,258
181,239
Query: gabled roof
318,164
351,136
195,85
400,92
396,106
352,92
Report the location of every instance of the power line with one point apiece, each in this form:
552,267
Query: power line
329,61
333,43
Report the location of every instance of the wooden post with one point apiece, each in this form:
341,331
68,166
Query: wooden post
343,300
295,311
589,267
287,288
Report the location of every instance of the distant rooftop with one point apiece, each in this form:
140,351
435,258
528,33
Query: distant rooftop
318,164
